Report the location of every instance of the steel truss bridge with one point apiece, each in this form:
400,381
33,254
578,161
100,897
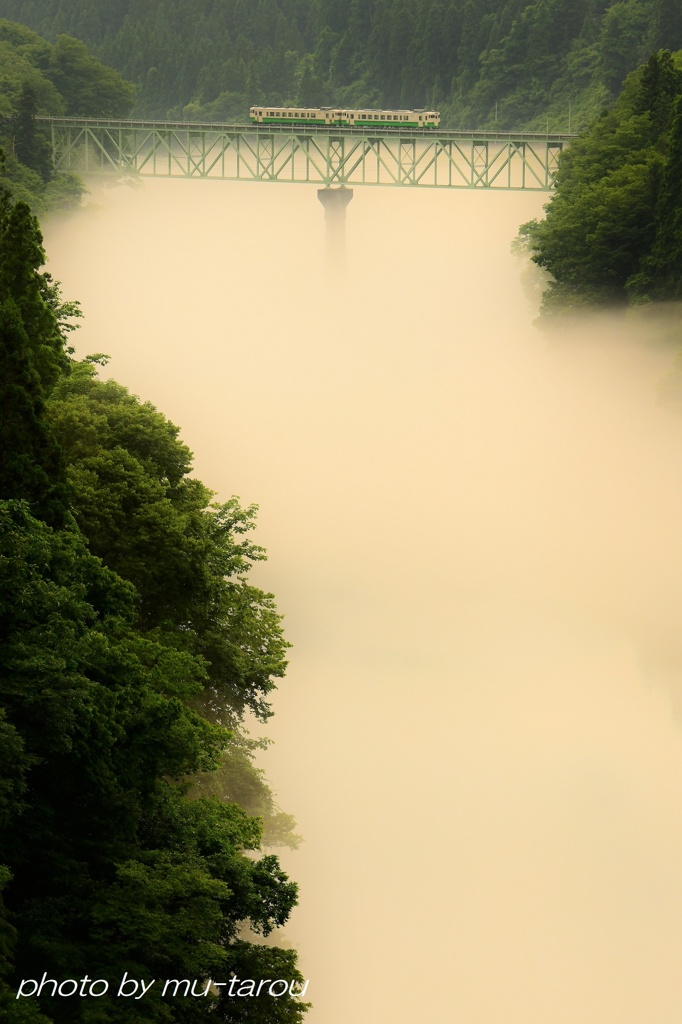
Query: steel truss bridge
327,156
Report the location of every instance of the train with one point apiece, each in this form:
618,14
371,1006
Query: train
357,118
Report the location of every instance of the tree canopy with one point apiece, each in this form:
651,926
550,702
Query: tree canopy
612,231
121,693
40,78
483,63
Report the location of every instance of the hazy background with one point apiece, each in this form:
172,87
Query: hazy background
474,535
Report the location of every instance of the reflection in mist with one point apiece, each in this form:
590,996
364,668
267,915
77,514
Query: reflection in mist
473,532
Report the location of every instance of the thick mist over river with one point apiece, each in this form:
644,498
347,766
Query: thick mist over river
474,535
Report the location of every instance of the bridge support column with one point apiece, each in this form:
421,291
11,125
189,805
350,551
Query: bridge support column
335,201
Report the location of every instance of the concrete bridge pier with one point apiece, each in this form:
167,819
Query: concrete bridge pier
335,201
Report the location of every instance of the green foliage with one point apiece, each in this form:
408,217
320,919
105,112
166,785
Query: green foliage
238,780
667,21
661,274
89,88
32,467
624,26
502,63
251,961
188,560
154,883
21,257
30,145
612,228
155,526
37,79
114,691
17,71
32,351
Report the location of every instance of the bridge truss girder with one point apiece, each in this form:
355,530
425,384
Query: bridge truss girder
328,157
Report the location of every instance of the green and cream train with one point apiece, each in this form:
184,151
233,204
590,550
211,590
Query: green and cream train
360,118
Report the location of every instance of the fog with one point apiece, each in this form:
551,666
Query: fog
473,532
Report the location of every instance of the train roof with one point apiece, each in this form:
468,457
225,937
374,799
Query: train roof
302,106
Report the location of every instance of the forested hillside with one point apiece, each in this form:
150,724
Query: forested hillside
503,63
37,77
613,230
133,645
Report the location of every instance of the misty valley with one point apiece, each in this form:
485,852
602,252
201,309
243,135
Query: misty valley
341,664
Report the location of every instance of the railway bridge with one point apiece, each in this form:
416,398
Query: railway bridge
331,157
337,159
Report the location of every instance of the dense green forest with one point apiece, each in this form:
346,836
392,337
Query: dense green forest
133,646
37,77
503,63
613,230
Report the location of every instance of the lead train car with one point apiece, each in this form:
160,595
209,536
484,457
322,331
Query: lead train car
360,118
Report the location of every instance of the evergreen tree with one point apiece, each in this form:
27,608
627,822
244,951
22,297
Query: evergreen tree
660,84
32,466
30,147
31,356
661,276
667,16
21,258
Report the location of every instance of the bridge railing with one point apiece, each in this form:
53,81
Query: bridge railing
303,129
